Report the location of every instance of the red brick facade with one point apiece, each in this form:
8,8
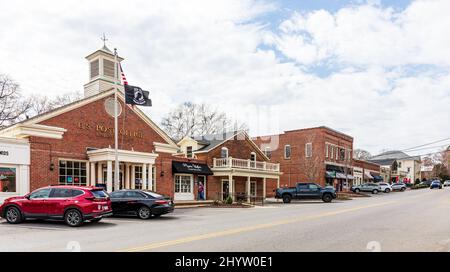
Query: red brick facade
239,148
90,126
299,168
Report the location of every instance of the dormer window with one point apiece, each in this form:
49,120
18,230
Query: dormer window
95,69
253,156
224,152
189,152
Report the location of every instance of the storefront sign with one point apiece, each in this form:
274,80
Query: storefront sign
106,131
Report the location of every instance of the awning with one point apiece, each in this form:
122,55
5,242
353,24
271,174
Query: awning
191,168
376,176
340,175
367,176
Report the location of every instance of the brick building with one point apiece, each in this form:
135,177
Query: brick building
364,171
72,145
318,154
233,157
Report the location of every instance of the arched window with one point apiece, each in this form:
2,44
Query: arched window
224,152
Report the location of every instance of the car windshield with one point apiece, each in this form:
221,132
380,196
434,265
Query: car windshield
154,195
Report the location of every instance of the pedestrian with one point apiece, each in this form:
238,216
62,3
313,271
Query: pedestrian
201,191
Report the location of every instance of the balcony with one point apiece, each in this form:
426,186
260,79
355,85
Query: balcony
232,163
399,173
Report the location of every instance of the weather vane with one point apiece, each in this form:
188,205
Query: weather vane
104,39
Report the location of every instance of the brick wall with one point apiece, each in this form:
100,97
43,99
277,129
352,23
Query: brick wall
90,126
298,168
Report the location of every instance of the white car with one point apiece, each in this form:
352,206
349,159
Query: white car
385,187
446,183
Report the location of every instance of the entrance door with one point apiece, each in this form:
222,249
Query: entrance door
184,187
225,189
202,179
121,181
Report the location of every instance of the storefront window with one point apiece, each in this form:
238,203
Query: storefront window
183,184
8,180
253,189
72,173
138,177
154,178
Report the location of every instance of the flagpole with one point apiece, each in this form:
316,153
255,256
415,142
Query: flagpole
116,125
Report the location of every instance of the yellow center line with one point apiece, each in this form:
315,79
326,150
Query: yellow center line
247,229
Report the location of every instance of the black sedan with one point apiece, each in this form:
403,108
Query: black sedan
141,203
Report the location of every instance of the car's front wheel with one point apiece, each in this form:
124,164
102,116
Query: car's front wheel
327,198
286,199
144,212
403,188
73,218
13,215
375,191
357,190
387,190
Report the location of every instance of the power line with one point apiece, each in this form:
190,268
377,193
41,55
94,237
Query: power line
436,146
414,147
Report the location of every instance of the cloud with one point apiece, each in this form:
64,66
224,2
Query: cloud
369,34
377,73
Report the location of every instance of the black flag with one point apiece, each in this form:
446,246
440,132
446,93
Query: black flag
136,96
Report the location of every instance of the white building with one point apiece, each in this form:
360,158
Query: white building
14,167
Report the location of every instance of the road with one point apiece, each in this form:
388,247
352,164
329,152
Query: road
401,221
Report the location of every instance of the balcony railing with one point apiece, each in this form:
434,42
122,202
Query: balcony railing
228,163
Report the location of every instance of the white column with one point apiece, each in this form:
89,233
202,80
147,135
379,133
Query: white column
264,187
248,189
150,175
99,172
144,176
109,178
231,186
127,176
92,173
133,177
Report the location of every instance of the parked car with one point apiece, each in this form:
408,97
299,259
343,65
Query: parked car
72,204
399,186
140,203
436,184
366,187
446,183
385,187
426,182
305,191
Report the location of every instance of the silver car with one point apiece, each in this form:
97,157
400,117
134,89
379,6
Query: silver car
367,187
446,183
400,186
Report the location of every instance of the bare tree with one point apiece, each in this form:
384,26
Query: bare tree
361,154
193,120
12,105
40,104
310,164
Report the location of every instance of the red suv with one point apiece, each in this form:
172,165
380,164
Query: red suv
72,204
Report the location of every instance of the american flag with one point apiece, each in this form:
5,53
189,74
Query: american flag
124,79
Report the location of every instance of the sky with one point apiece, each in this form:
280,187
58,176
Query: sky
377,70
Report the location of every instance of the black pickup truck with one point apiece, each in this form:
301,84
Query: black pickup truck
306,191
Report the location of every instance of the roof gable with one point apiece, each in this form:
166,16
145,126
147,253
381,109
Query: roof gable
86,101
